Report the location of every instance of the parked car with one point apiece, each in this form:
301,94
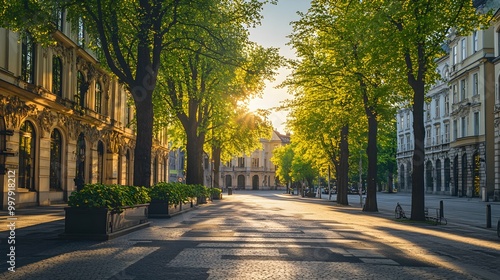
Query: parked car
355,190
325,190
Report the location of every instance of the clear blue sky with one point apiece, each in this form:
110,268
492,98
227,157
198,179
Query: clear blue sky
273,33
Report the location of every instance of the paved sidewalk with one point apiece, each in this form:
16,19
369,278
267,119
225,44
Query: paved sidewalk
457,210
265,235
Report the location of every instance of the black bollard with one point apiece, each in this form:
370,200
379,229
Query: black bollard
441,209
488,215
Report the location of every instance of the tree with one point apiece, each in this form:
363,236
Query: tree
204,76
345,44
132,37
412,33
282,159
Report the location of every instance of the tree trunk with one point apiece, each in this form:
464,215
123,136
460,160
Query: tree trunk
371,151
216,151
194,156
390,181
144,138
343,174
417,197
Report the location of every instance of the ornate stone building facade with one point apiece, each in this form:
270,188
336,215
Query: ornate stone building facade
254,171
63,120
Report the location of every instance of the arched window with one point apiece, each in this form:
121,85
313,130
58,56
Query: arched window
98,98
27,148
28,59
57,76
55,160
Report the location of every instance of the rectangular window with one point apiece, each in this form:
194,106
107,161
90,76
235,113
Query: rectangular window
476,123
80,39
446,105
475,84
454,55
438,134
475,46
401,143
463,92
464,127
401,121
446,133
241,162
438,113
255,162
455,130
428,110
464,49
407,119
28,59
428,136
455,94
408,142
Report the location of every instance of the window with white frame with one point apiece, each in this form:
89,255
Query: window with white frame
401,121
475,84
463,92
464,48
454,55
408,142
401,143
475,40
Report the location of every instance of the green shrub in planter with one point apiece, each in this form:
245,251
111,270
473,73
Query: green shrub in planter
200,191
175,192
113,197
215,193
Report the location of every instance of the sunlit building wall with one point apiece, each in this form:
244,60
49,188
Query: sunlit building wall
63,117
254,171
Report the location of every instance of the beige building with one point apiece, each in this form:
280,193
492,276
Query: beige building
254,171
62,117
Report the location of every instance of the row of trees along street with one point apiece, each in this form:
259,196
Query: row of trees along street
357,61
188,65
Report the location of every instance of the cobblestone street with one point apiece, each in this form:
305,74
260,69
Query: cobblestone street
267,235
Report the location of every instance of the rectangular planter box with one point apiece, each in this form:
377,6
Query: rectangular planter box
162,209
103,224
